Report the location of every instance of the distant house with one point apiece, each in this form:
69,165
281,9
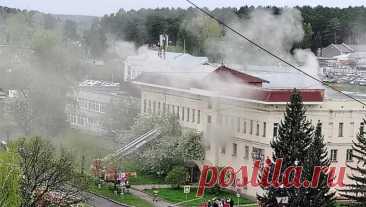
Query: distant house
336,50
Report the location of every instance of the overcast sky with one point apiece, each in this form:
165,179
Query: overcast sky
101,7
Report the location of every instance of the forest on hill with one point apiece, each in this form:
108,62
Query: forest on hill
190,30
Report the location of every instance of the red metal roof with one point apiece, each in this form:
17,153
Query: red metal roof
226,73
283,95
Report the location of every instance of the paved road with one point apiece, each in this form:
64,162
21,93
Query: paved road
101,202
149,199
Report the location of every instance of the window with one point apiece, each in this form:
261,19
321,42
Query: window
349,155
264,129
219,119
168,110
238,125
159,108
275,129
319,127
245,127
198,116
154,107
173,109
223,149
149,108
235,149
178,112
257,130
246,152
251,127
193,115
340,130
333,155
209,119
164,108
102,108
208,147
183,111
188,110
209,105
145,103
362,127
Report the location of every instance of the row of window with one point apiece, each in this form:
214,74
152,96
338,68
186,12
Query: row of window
241,125
183,113
85,122
340,128
90,105
257,153
334,154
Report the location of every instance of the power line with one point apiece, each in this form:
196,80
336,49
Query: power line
272,54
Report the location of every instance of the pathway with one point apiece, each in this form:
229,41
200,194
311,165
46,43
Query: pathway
101,202
149,198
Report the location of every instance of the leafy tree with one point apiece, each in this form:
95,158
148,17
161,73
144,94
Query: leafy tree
173,147
44,171
95,40
292,145
121,115
176,176
356,190
168,124
70,30
10,178
190,146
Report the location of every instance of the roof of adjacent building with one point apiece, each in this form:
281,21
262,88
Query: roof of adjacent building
170,57
227,74
229,82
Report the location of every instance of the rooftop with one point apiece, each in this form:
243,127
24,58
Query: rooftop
98,83
234,83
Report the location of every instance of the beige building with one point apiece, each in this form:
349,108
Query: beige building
239,123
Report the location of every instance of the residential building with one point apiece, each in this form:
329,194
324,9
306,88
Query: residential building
239,111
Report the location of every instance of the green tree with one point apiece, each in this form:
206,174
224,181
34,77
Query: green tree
173,147
45,171
176,176
70,30
10,174
121,115
355,191
318,156
292,145
190,146
95,40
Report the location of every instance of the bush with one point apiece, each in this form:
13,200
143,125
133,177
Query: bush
176,177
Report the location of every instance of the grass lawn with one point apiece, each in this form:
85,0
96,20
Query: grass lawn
177,195
128,199
145,180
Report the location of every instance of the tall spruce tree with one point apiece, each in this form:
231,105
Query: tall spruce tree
318,156
292,144
356,192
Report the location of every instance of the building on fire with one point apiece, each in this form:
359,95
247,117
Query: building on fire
239,110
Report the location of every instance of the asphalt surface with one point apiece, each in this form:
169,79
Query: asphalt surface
97,201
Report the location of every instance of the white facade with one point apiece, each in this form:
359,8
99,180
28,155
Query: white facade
237,130
89,103
150,61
